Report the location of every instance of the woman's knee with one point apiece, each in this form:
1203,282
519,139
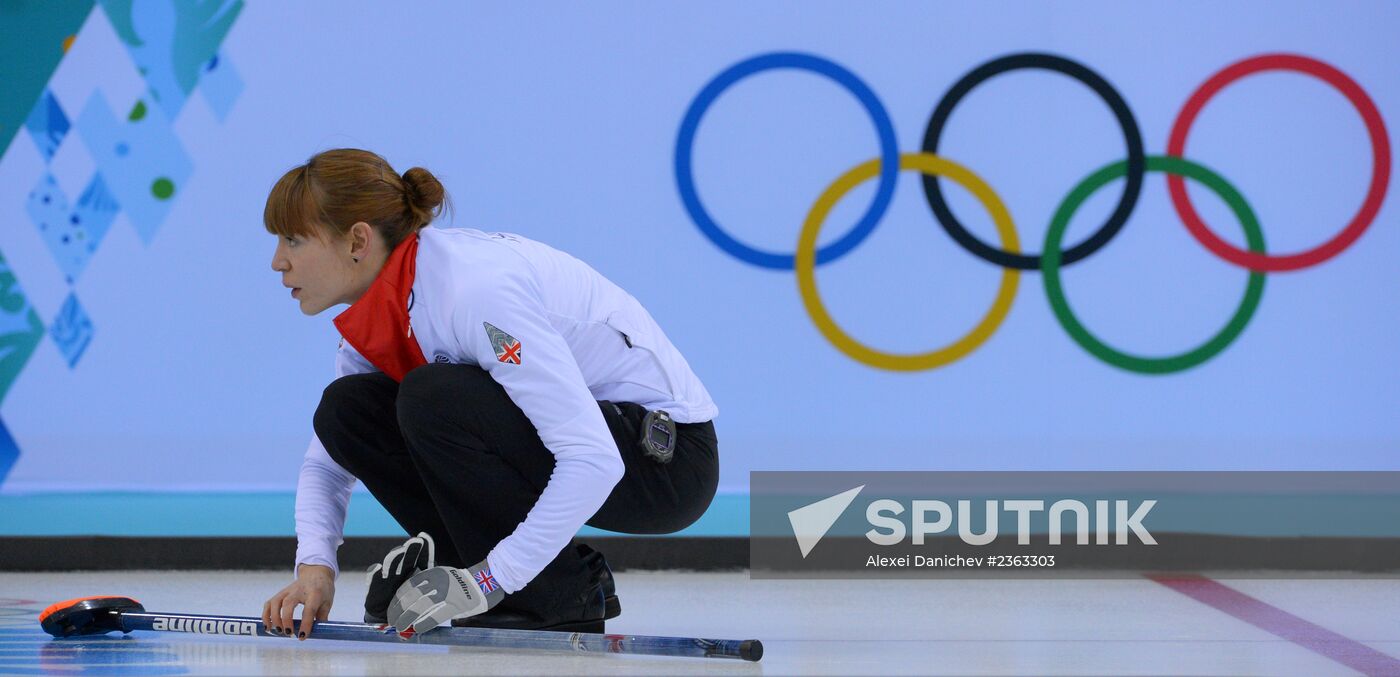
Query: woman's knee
427,392
697,485
350,406
695,505
666,507
350,400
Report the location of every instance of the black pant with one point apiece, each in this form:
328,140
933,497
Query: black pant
449,453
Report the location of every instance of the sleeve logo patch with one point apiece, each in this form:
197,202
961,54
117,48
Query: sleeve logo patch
506,347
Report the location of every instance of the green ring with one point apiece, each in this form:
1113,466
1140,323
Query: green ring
1050,268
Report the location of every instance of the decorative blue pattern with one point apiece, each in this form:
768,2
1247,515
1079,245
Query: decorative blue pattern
72,235
47,125
221,86
140,157
71,330
141,165
9,451
172,41
20,329
96,209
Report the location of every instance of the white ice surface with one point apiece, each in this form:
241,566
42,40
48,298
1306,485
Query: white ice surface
948,627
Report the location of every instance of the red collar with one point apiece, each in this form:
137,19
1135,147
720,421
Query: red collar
377,325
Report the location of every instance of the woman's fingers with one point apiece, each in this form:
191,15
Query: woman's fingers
309,611
314,598
271,609
288,611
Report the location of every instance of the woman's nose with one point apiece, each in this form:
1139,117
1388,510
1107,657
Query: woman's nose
279,261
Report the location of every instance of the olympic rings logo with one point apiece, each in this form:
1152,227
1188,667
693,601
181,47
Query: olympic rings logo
1054,256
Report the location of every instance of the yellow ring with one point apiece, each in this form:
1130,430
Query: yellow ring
806,264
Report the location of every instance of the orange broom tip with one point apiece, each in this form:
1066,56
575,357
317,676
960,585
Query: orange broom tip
69,603
88,615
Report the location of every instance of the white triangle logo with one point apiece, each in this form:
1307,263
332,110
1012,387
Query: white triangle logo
811,522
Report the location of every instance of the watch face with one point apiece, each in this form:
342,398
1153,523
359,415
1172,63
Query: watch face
660,437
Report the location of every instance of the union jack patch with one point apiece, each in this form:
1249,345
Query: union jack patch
506,347
485,580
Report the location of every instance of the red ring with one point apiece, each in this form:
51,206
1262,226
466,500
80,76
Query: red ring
1380,163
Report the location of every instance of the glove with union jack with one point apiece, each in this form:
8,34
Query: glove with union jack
440,594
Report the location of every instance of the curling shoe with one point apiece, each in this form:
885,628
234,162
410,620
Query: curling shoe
585,613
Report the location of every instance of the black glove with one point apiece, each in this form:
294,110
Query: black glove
415,555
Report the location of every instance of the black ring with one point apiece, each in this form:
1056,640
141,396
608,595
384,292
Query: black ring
1137,160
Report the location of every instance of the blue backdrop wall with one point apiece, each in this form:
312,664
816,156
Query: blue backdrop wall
151,364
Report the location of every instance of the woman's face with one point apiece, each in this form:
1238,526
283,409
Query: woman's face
319,270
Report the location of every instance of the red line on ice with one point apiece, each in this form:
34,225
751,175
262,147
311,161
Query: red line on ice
1265,616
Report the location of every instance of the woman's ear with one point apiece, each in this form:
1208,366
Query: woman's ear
361,239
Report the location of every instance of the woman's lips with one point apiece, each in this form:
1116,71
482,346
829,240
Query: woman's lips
294,291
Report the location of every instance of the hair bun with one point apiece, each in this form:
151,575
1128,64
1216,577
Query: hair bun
425,194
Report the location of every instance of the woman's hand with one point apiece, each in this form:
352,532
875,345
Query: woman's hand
314,590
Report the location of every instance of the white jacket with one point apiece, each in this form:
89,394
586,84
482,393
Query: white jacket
581,339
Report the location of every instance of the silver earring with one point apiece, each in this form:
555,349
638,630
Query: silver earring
354,259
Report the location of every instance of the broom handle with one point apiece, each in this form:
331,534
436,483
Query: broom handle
543,640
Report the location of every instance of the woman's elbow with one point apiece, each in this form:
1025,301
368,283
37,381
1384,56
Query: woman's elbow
613,469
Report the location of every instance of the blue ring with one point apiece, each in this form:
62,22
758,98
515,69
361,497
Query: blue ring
889,157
